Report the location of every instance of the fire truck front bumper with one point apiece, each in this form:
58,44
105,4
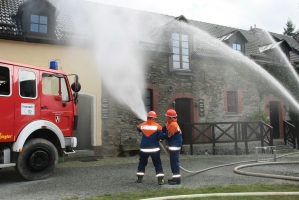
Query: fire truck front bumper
70,143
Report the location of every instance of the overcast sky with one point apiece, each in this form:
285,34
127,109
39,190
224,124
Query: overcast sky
270,15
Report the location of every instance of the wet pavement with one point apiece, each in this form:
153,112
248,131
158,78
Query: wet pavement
87,177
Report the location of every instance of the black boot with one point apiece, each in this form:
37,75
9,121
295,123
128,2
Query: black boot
174,181
139,179
161,180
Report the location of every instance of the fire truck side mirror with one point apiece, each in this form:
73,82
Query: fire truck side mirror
76,86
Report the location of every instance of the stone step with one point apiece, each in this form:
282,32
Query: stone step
278,141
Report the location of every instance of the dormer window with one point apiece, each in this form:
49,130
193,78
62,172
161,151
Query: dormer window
38,20
236,40
180,50
237,47
39,24
273,50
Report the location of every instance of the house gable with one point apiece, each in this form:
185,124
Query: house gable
236,40
182,18
179,39
273,50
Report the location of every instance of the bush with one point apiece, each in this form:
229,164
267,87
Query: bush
293,115
259,114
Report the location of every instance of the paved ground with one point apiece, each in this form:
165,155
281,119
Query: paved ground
82,178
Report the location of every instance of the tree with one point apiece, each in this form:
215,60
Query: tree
289,30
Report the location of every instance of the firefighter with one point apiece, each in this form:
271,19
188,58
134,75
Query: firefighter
174,142
149,146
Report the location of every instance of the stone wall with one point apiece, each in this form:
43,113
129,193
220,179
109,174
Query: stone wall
210,78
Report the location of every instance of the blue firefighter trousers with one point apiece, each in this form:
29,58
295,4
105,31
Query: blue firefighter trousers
175,164
143,159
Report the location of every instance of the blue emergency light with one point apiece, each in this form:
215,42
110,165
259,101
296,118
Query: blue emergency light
54,65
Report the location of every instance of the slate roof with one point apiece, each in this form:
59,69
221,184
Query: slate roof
226,37
149,22
8,25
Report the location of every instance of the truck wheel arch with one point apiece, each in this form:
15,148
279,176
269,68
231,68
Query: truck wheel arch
33,126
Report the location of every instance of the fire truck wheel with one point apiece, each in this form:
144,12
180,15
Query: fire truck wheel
37,160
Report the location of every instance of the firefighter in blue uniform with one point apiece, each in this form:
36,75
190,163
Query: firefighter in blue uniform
174,142
149,146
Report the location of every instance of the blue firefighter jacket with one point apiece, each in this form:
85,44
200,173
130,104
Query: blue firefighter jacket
151,134
173,135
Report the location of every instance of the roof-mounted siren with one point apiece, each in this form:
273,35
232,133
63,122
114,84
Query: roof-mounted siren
54,64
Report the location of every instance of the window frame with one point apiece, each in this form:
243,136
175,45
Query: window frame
8,82
19,84
38,23
148,94
237,44
232,103
179,43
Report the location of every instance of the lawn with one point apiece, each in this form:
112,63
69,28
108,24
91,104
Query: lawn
207,190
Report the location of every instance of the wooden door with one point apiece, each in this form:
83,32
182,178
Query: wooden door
274,119
182,107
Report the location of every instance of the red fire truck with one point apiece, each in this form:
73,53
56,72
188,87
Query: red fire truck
37,118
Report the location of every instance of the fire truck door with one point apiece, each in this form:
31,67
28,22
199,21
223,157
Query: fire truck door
55,102
6,104
26,97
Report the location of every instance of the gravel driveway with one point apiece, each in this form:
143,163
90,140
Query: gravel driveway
86,178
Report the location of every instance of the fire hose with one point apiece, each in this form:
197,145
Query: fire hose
203,170
236,169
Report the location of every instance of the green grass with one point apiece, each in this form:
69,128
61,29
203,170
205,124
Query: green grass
206,190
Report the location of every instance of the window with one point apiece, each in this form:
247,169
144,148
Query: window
4,81
148,100
237,47
27,84
231,102
39,24
51,84
180,49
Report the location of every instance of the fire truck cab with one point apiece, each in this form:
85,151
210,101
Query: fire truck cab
37,118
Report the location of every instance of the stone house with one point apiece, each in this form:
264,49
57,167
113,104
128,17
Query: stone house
206,72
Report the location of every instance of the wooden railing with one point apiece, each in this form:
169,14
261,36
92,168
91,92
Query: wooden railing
291,133
229,132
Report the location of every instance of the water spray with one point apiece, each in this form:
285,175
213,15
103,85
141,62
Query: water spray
222,49
289,65
119,61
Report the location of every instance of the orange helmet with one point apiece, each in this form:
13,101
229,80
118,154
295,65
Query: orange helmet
171,113
152,114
